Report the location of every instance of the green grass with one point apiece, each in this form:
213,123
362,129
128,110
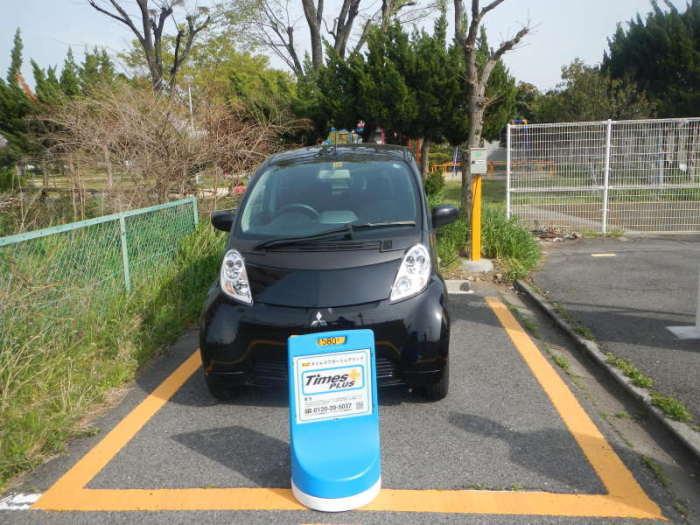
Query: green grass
672,407
508,242
58,361
577,327
622,415
525,320
637,377
561,362
584,332
504,240
656,469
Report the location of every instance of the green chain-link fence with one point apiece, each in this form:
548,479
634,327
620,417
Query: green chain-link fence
55,272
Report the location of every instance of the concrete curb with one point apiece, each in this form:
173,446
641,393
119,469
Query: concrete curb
689,438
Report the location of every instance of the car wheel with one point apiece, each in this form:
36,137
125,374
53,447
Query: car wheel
221,389
439,390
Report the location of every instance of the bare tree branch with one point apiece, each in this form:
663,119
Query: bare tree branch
150,33
476,79
490,7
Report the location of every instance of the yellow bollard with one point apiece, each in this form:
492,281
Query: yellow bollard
475,251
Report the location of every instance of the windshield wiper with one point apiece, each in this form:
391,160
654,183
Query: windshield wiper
372,225
347,229
328,234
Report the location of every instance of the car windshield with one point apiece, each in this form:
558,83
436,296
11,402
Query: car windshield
309,198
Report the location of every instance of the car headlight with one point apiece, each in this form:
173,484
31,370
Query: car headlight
234,278
413,274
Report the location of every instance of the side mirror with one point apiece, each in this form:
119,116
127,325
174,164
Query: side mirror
223,219
444,214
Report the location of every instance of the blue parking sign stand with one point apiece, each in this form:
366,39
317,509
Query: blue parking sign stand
334,419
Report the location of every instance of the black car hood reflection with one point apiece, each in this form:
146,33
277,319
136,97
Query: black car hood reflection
322,288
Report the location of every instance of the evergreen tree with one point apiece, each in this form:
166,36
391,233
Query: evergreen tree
15,58
97,69
89,73
70,76
14,108
661,54
587,94
46,85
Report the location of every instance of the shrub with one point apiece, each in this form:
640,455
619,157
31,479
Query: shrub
450,240
6,178
507,241
434,183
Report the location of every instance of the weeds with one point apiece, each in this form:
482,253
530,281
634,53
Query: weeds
577,327
58,361
672,407
451,240
507,241
527,322
637,377
656,469
669,405
561,362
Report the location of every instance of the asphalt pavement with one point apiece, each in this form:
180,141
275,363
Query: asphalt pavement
512,443
627,292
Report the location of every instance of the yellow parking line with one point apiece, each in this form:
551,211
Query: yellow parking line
625,497
618,480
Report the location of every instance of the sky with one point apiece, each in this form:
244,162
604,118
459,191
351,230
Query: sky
562,31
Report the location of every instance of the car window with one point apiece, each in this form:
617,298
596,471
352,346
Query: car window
307,198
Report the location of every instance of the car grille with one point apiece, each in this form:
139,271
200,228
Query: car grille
267,371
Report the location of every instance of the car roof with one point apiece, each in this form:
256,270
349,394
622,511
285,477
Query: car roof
342,152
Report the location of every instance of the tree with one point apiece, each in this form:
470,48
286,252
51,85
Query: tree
411,85
70,76
526,98
149,31
15,106
587,94
97,68
501,92
218,71
47,86
478,74
661,54
276,29
15,58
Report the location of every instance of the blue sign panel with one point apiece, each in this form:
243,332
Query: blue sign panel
334,419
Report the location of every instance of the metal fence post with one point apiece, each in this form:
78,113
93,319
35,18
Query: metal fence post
606,176
125,252
195,211
508,172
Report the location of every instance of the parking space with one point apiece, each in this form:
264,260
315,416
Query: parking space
626,293
511,440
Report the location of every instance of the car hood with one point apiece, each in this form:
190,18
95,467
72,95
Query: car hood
322,288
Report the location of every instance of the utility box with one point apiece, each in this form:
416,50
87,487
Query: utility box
334,419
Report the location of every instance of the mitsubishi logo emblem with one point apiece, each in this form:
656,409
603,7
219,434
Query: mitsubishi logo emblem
319,321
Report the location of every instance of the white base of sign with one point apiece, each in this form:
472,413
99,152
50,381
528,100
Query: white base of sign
337,504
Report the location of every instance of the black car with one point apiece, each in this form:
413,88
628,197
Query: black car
330,238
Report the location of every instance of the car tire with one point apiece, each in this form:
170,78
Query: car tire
439,390
221,389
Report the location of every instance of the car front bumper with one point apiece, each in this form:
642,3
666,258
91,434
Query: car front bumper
247,345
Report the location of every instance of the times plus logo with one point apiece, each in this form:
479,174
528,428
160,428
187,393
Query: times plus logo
338,379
